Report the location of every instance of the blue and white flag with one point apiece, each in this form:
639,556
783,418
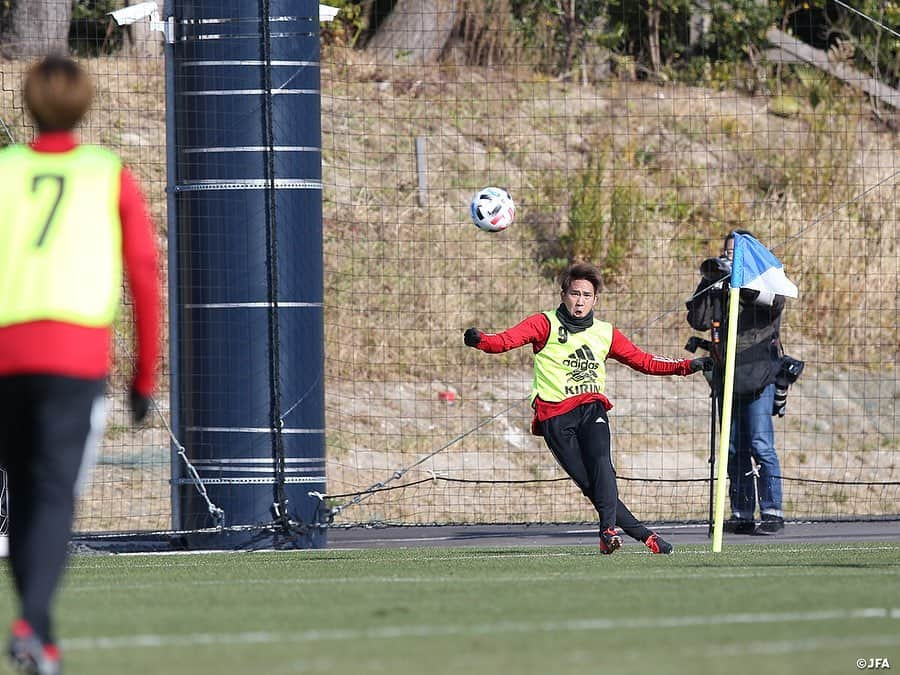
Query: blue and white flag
755,267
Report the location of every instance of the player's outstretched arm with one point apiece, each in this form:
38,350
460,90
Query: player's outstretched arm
625,351
533,330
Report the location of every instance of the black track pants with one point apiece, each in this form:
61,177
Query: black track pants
49,427
580,442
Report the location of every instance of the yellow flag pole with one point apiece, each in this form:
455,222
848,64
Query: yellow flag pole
725,431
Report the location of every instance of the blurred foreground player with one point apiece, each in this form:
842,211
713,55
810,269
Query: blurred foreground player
72,219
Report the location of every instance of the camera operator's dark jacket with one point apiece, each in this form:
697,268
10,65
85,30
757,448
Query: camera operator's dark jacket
758,352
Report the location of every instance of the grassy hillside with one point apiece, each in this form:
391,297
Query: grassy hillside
666,171
819,187
644,180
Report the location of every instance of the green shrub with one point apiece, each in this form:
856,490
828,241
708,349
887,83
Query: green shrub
348,25
603,222
92,31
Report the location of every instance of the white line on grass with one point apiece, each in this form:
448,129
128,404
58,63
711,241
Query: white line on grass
313,555
475,578
769,647
502,627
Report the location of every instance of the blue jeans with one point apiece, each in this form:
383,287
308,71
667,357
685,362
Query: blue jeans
753,435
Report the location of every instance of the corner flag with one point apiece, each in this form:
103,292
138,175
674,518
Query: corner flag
755,267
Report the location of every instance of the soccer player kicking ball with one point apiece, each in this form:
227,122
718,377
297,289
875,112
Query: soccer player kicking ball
570,350
72,217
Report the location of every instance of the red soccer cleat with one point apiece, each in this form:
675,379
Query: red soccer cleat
658,545
27,653
609,541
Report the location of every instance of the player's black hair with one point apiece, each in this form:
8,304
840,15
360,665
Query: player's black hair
584,271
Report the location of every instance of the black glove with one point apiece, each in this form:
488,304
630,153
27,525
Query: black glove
140,405
472,337
703,363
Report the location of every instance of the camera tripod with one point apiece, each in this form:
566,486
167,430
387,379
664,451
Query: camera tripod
713,346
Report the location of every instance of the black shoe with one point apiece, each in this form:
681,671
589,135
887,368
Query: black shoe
770,525
658,545
28,655
739,526
610,541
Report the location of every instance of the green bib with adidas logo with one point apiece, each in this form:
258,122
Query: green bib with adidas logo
571,363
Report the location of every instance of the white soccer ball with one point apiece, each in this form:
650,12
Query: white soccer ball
492,209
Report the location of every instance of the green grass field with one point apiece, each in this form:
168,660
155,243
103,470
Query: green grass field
751,609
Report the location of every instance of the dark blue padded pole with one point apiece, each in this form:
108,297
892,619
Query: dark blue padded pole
249,279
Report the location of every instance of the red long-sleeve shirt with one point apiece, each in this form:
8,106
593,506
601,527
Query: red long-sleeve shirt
535,329
60,348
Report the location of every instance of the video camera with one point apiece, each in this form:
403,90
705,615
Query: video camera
715,269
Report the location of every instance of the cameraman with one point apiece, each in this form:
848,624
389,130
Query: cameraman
757,363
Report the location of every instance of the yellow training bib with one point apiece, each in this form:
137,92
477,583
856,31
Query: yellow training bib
60,236
571,363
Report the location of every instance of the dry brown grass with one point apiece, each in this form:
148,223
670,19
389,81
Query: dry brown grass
704,162
403,280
